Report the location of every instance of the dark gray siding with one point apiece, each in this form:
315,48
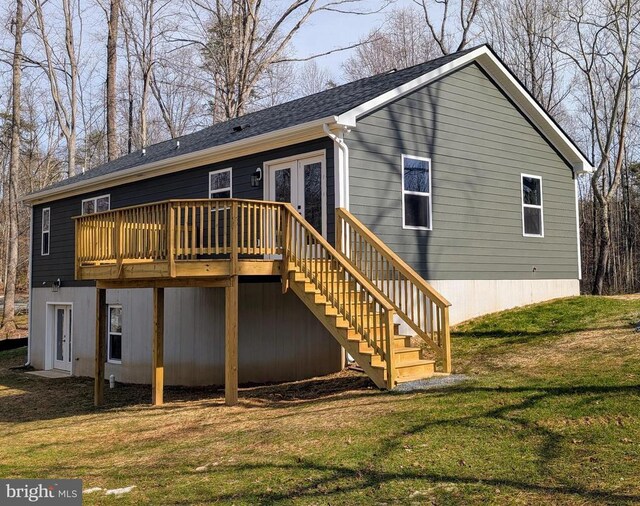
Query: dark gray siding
192,183
479,144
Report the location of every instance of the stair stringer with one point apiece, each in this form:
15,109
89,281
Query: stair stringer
377,374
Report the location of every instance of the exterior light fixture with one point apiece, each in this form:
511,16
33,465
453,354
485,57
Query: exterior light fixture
256,177
55,286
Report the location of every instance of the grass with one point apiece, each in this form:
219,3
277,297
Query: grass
550,414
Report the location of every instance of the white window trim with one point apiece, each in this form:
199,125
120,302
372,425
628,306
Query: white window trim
532,206
42,253
424,194
109,334
221,190
95,206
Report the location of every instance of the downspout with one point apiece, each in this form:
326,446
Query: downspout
343,168
29,280
343,197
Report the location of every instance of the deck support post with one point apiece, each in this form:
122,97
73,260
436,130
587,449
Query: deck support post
100,352
446,341
231,343
157,372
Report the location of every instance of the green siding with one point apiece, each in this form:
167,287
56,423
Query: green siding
479,145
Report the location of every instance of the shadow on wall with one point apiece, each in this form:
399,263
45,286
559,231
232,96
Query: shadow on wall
420,138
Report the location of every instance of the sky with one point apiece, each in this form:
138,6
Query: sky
327,30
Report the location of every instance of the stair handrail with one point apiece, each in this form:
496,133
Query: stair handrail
386,354
434,331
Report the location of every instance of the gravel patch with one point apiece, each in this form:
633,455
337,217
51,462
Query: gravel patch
433,383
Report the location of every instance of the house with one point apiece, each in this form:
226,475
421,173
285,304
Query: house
268,247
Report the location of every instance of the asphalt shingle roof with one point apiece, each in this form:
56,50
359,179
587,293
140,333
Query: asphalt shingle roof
330,102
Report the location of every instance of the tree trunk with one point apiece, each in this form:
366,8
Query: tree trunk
112,60
604,250
8,313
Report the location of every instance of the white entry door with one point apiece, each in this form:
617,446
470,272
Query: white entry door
302,182
62,337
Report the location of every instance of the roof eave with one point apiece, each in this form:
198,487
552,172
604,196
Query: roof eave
509,84
271,140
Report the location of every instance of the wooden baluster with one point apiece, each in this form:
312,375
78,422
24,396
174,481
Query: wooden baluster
171,253
209,216
234,238
201,248
243,239
225,211
217,229
193,248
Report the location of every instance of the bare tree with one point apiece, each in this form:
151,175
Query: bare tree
112,62
11,190
400,42
518,31
67,66
606,53
452,30
146,23
312,78
243,39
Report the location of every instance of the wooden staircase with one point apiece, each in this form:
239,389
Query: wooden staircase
358,313
409,364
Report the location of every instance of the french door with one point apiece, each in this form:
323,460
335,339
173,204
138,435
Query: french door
301,182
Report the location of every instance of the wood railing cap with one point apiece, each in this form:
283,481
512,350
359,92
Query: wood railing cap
176,201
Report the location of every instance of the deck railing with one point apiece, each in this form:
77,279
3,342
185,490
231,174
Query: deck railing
180,230
424,309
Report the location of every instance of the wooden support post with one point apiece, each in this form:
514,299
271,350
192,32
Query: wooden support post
101,348
231,343
157,371
389,351
446,341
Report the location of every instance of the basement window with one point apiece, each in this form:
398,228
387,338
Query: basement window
416,193
220,184
96,204
114,333
46,230
532,214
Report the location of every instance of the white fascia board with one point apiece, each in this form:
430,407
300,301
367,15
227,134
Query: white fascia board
509,85
223,152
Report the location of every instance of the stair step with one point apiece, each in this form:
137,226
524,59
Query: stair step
402,356
415,369
401,341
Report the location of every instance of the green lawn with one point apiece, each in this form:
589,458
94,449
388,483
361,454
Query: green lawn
550,414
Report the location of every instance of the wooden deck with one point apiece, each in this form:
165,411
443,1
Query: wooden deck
355,291
181,239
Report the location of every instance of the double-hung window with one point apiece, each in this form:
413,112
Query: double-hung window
416,193
114,333
220,184
532,215
96,204
46,230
